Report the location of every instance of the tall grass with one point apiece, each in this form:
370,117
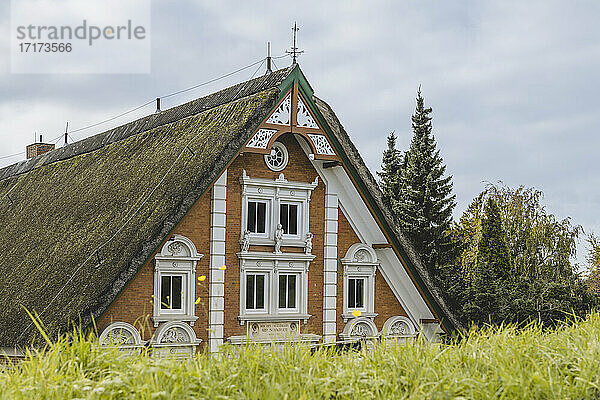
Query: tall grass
531,363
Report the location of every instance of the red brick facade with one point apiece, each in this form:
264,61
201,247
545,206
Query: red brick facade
134,306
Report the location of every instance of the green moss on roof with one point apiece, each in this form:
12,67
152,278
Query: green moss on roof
63,211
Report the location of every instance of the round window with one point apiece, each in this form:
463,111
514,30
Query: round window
278,158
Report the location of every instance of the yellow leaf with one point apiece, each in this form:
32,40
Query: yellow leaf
356,313
223,268
201,278
198,300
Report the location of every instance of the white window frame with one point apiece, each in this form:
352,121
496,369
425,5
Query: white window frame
274,264
365,280
298,276
360,262
178,257
268,217
266,274
277,191
299,219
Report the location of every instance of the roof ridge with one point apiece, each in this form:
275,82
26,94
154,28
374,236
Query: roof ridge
151,121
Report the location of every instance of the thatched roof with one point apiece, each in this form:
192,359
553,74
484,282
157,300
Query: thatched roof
56,209
121,193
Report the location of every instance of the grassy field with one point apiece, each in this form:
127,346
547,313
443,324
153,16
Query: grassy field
488,363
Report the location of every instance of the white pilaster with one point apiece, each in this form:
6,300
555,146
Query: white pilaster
330,267
217,260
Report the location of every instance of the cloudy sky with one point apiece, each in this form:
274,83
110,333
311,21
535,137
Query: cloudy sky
514,87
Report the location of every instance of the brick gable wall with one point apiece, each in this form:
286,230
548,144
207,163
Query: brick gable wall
133,305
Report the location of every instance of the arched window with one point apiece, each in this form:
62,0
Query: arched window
360,265
174,286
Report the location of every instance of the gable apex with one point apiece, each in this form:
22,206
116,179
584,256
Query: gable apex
294,113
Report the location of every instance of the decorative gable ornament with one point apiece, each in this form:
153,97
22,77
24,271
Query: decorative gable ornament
283,114
292,115
322,145
304,118
398,326
260,140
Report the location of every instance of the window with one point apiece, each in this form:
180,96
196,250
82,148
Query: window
266,203
288,218
171,292
356,293
255,292
360,267
257,216
174,282
273,286
277,159
287,291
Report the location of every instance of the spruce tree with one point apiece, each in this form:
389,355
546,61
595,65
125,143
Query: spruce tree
390,171
424,207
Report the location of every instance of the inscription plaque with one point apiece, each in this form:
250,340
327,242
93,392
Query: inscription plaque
273,331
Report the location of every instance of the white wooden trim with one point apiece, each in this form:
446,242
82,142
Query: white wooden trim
330,266
431,331
216,288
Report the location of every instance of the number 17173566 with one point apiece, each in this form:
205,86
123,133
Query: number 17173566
45,47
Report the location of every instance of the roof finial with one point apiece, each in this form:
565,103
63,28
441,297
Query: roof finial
294,52
269,59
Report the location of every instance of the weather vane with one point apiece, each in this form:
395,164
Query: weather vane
294,52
